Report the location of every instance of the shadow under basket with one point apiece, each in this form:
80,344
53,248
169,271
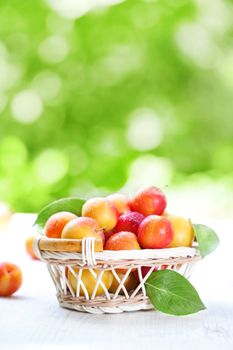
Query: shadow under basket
67,260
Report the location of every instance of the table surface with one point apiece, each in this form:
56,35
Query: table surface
33,319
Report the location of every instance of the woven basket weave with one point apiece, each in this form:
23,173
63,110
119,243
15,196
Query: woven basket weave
62,255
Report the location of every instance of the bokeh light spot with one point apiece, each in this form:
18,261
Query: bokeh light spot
145,130
47,84
53,49
9,74
149,170
50,166
196,43
26,106
214,15
74,9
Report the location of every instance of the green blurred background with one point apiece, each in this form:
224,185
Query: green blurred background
101,99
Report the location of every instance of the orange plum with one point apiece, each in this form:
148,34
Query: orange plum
122,241
129,222
81,228
10,278
183,231
120,201
155,232
103,211
56,223
149,201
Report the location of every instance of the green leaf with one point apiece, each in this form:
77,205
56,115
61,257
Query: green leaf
207,239
172,293
73,205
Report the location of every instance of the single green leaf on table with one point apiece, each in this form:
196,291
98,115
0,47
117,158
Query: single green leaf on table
172,293
207,239
73,205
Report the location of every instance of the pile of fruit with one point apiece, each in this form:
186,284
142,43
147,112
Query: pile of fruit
124,224
121,223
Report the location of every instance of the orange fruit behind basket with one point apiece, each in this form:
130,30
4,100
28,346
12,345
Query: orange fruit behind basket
29,247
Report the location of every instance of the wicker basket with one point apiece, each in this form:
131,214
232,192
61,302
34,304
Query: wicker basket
63,255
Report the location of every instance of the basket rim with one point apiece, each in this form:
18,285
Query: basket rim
72,249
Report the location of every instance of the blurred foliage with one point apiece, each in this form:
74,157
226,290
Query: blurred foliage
88,103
